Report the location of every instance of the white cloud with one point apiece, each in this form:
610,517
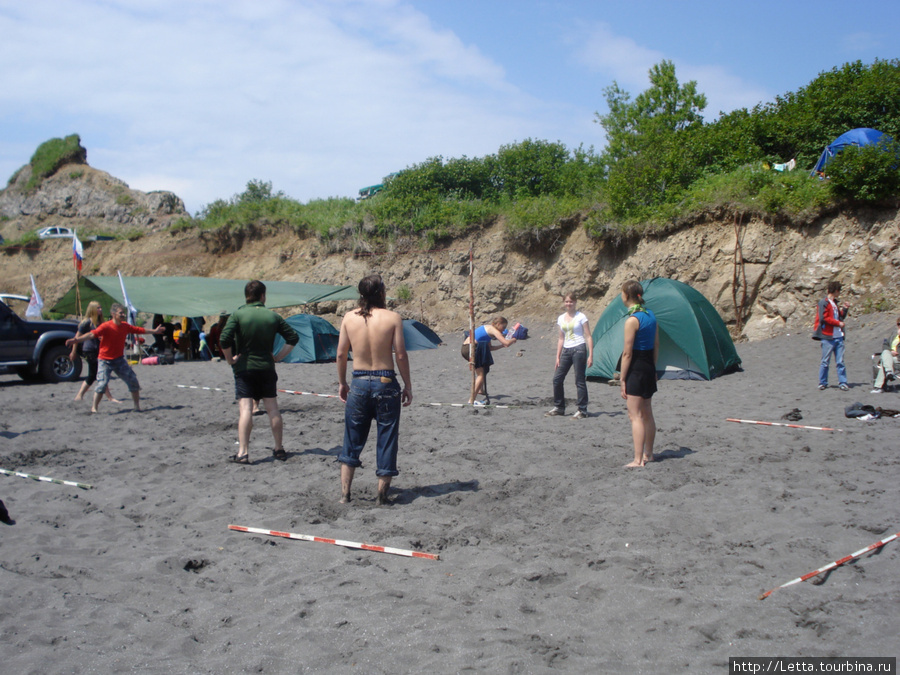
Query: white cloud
629,63
321,98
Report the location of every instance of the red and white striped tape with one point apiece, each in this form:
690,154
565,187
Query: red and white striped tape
781,424
308,393
189,386
836,563
337,542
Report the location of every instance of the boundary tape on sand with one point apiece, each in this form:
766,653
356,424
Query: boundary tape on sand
337,542
46,479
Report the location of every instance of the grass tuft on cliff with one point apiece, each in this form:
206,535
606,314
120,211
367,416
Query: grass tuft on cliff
53,154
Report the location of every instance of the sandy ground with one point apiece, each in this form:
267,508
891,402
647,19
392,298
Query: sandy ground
553,557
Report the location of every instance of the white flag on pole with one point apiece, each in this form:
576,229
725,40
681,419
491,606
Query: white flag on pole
132,312
35,304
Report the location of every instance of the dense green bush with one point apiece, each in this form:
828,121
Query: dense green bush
867,175
662,165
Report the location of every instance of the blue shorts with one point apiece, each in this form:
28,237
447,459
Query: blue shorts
255,384
375,396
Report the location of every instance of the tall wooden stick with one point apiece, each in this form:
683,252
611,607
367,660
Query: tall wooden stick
78,291
472,321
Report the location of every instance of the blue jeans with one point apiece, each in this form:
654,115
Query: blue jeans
832,346
570,356
372,397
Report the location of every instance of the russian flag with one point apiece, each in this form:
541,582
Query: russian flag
77,251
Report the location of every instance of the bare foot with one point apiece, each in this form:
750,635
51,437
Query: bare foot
382,499
138,410
79,397
113,400
345,498
634,465
94,410
648,459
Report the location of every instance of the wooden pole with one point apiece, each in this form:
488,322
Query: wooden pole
472,322
78,291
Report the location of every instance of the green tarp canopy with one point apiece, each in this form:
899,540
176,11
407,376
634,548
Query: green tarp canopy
193,296
694,343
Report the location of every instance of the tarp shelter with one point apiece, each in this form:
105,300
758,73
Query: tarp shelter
318,340
194,296
417,335
694,343
855,137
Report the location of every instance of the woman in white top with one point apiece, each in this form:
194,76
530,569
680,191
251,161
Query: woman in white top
575,347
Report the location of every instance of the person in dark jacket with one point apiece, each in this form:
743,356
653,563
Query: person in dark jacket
247,341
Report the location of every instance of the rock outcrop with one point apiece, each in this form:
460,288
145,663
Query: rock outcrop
79,196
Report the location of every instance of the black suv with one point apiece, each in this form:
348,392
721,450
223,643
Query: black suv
37,349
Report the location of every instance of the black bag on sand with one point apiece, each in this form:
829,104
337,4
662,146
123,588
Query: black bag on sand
860,410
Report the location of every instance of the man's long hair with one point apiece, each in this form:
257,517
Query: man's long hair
371,295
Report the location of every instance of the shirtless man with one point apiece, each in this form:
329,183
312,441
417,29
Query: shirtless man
374,335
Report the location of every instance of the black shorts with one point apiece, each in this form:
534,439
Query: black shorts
641,378
483,358
255,384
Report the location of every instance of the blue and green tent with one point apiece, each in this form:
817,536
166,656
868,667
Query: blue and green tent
694,343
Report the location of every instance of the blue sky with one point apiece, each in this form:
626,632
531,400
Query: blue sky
323,97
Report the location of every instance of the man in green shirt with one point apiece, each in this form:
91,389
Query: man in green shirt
246,342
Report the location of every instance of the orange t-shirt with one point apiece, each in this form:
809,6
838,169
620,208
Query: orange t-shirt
112,338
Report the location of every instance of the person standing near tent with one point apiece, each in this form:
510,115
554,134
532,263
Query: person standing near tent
111,357
90,349
575,347
375,336
246,341
638,376
484,335
829,330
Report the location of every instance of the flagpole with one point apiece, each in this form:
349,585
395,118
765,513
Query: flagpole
77,255
78,292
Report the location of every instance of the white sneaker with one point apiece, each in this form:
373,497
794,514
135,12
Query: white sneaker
479,404
555,412
876,391
579,415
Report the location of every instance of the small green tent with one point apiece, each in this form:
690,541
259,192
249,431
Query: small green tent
318,340
694,343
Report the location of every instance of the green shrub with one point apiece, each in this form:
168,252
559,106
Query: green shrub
866,175
404,293
53,154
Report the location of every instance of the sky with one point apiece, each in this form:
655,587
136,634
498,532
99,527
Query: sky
324,97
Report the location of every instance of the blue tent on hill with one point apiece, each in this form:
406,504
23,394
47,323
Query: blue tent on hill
855,137
318,340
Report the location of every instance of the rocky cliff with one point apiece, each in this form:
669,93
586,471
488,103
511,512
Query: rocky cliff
81,197
764,279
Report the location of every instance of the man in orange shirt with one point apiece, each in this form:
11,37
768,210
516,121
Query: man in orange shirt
112,335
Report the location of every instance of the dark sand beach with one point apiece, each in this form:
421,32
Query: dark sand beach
553,557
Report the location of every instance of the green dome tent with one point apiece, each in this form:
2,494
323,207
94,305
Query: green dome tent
318,340
694,343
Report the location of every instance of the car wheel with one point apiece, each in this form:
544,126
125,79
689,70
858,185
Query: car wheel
56,366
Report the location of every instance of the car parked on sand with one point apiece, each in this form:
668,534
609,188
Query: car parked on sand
55,233
37,349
